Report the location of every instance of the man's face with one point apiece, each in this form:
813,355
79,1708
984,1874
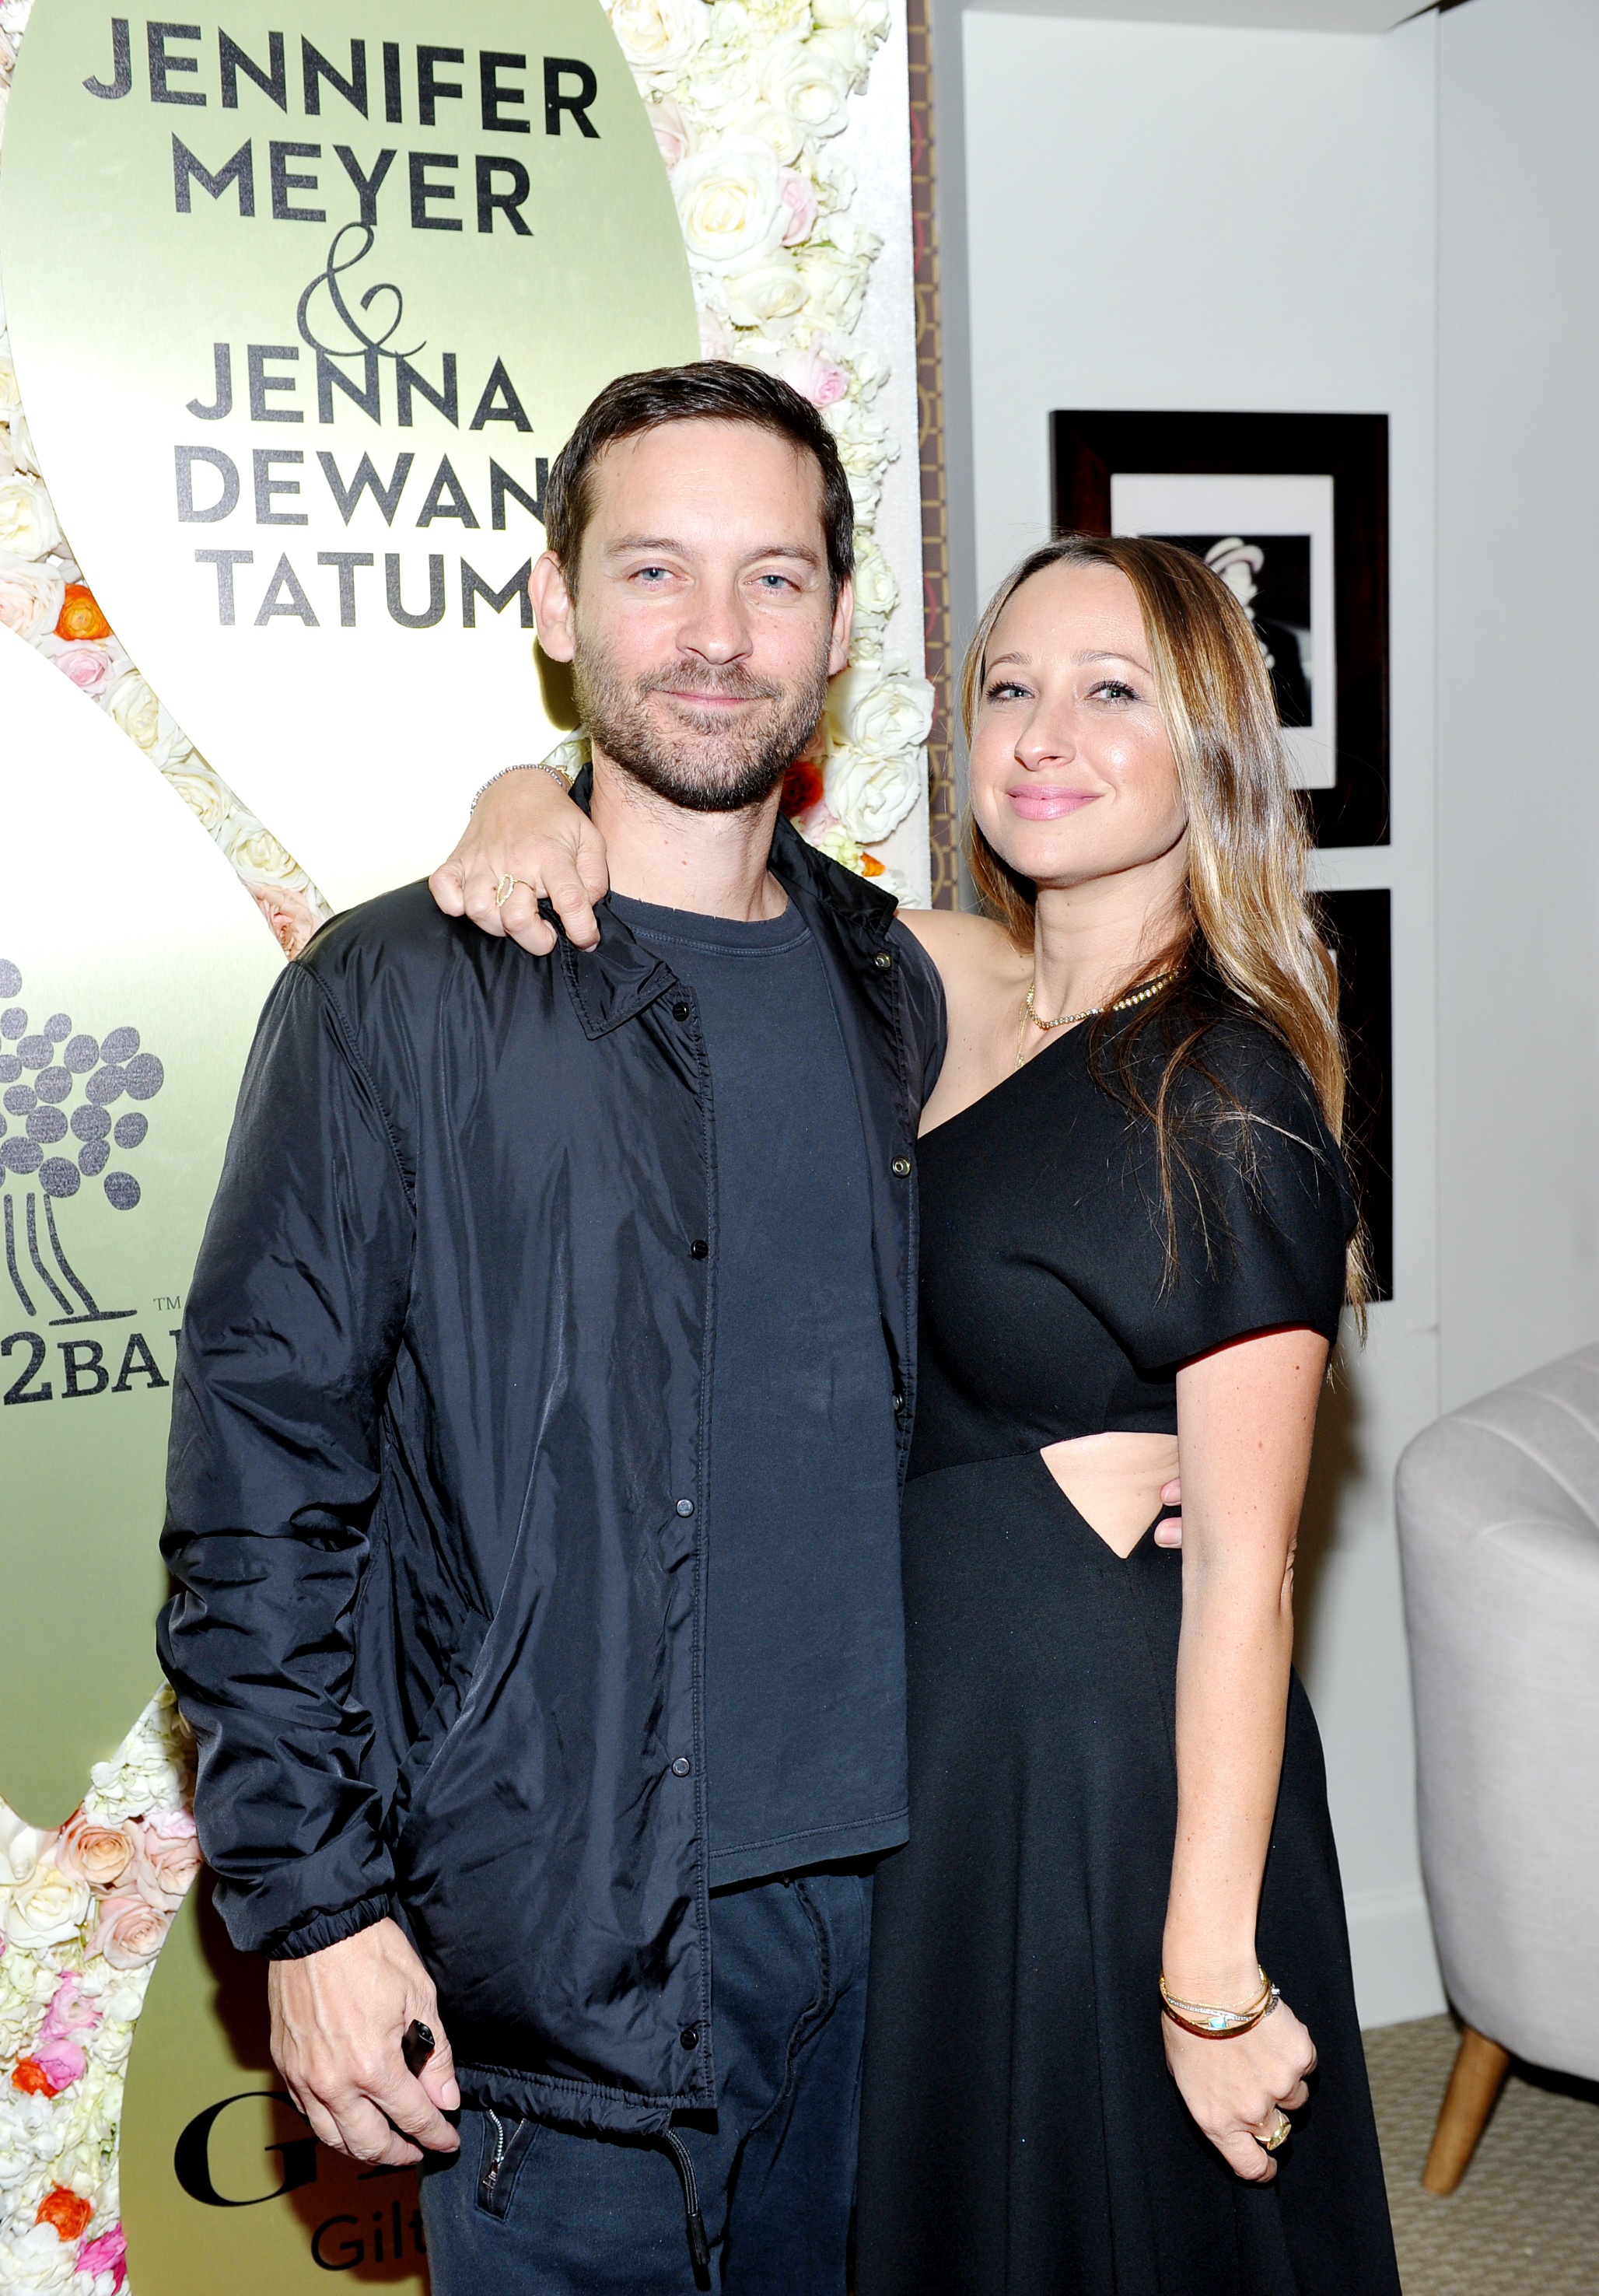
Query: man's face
703,632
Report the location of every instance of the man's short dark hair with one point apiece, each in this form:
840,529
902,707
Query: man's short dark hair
711,390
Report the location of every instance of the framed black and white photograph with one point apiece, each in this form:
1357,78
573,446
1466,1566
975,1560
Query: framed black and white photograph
1292,511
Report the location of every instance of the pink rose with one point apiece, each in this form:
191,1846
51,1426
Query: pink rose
131,1931
99,1855
164,1869
108,2253
61,2062
816,377
90,666
673,134
800,198
67,2013
288,913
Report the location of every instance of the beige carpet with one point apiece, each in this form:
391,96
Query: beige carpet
1525,2221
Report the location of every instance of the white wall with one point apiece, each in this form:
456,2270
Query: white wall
1518,717
1171,216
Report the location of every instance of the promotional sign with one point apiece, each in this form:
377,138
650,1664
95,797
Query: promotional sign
133,966
302,304
223,2187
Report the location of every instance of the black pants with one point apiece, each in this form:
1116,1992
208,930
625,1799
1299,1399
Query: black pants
774,2165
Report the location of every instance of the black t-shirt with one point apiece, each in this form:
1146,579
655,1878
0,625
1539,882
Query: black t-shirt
805,1657
1051,1306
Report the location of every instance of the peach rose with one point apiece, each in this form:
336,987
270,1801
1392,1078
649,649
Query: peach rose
131,1932
30,595
99,1855
288,914
165,1867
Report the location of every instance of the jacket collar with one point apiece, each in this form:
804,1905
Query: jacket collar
614,982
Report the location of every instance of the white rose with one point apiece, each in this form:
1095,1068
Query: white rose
807,79
201,792
866,493
10,397
868,16
21,1845
19,439
732,206
853,49
28,527
45,1909
872,790
144,720
763,293
862,439
876,592
658,36
31,592
835,287
881,709
767,124
256,853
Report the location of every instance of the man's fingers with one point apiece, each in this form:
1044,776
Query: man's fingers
438,2078
402,2099
447,885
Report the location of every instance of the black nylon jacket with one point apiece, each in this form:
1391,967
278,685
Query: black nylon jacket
438,1471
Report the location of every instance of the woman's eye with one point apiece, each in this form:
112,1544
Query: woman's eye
1112,689
1005,689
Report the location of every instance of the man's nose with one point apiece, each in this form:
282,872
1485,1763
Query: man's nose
715,626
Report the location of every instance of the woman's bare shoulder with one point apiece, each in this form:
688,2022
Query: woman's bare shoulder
968,951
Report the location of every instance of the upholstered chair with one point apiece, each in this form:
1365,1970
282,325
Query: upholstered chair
1499,1535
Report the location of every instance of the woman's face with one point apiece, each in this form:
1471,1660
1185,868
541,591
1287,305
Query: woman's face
1072,775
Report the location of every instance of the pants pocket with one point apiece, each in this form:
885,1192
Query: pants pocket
506,2143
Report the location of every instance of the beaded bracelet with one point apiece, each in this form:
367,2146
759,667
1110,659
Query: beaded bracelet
533,766
1220,2024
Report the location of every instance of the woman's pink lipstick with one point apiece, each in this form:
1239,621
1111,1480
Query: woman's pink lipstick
1048,804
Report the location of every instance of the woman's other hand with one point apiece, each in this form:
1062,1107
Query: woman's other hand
525,827
1237,2088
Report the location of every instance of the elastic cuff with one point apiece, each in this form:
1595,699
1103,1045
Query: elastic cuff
321,1930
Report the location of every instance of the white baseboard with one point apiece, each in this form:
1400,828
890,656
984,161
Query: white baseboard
1395,1969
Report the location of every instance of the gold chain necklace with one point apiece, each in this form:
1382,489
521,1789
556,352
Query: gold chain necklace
1091,1012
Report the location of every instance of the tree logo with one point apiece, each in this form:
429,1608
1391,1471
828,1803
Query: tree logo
58,1089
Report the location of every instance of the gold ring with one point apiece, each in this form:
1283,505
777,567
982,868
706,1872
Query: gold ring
504,891
1280,2134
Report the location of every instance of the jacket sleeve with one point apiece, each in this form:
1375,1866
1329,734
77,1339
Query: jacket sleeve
290,1332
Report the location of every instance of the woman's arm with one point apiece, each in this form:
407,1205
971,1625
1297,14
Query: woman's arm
525,827
1245,1416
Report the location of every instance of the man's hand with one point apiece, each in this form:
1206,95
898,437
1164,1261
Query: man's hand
524,827
1170,1533
338,2020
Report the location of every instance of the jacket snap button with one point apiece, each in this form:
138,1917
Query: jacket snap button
690,2037
699,1248
682,1767
883,959
685,1506
680,1012
899,1402
902,1168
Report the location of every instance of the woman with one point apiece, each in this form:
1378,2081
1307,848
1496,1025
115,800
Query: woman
1136,1240
1135,1231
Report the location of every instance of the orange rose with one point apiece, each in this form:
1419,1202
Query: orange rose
80,616
30,2077
801,787
68,2212
870,867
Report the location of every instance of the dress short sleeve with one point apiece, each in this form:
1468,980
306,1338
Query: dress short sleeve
1263,1211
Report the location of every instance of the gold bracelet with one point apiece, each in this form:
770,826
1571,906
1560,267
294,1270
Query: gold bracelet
1220,2024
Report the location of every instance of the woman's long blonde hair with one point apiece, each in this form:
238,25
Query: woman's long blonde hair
1248,923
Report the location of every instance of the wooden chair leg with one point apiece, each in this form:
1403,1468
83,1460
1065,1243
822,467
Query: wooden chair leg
1474,2085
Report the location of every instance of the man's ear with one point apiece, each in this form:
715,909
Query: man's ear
552,608
843,618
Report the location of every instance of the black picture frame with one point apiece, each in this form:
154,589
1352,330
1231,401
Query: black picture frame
1089,446
1359,930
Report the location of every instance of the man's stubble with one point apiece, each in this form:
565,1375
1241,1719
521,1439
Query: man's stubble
725,769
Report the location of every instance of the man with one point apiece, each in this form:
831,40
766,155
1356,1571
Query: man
544,1388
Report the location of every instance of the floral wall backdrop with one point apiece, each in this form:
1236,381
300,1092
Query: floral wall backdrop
789,163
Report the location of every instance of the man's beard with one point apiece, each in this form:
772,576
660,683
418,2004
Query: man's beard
714,767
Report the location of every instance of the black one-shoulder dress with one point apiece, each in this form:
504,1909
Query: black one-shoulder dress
1021,2135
